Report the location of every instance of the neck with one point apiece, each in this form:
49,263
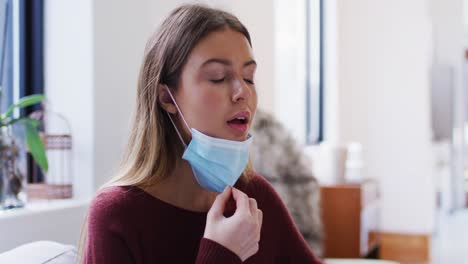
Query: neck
181,189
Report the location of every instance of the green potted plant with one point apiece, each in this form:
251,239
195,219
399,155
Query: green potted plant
11,180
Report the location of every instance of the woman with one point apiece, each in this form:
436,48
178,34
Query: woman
172,200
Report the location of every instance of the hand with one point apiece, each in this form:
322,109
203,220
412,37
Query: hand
239,233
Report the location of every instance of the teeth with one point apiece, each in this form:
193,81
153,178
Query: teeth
241,118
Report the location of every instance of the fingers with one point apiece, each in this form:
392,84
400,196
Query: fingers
241,198
260,217
240,232
260,222
253,206
258,214
242,201
248,205
217,208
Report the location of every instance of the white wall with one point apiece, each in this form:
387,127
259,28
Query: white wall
69,79
465,19
120,33
383,91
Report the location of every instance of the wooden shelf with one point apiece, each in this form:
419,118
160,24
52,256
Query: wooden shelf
350,215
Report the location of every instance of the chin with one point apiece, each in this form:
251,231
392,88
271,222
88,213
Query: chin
240,137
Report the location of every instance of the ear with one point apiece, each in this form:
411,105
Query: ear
165,100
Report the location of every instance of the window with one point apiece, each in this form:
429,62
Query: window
299,68
31,54
30,63
21,57
21,45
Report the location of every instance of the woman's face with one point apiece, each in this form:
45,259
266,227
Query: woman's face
217,94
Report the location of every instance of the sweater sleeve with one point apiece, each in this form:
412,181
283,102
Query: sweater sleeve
105,242
212,252
292,246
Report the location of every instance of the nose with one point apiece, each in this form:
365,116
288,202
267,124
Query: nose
242,91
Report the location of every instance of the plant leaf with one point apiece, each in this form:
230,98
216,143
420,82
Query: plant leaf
23,102
9,122
35,144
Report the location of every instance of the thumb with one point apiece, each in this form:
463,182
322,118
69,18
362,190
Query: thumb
219,204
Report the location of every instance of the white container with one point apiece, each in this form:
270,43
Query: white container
354,163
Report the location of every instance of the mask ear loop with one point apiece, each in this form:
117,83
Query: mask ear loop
180,112
185,122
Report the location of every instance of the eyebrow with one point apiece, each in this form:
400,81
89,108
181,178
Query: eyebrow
227,62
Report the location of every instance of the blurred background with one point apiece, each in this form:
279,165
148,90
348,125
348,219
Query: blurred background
375,93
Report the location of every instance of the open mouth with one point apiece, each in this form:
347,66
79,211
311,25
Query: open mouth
240,122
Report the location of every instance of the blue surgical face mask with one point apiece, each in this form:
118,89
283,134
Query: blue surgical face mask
216,163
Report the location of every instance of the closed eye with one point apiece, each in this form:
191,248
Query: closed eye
249,81
218,80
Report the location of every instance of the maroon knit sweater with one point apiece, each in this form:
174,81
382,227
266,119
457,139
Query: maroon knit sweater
128,225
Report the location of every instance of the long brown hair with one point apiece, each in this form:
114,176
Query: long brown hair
153,146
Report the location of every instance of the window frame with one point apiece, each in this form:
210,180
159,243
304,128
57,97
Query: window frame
314,112
7,63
